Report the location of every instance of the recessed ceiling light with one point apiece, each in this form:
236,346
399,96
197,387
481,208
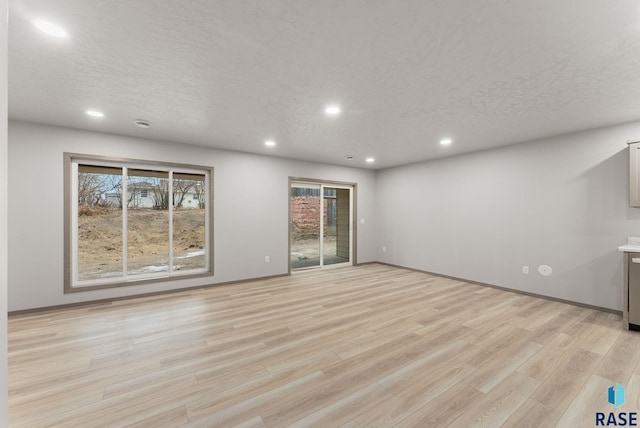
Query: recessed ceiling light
332,110
445,141
142,123
370,160
270,143
49,28
95,113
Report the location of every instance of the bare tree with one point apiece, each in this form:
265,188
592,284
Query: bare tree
93,189
160,194
134,193
88,185
180,190
198,189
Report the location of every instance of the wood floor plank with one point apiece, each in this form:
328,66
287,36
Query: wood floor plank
372,345
591,399
502,366
169,418
255,422
618,363
341,411
532,414
550,330
546,359
511,339
494,408
443,410
632,402
598,339
411,395
567,379
250,407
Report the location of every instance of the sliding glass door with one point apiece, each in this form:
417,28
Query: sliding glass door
321,230
337,217
305,225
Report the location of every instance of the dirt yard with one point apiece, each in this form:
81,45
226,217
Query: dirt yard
100,241
310,248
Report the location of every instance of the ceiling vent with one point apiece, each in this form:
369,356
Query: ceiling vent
141,123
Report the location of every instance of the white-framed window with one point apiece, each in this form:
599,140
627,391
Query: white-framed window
127,222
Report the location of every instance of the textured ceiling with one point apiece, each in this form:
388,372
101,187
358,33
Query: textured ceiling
233,73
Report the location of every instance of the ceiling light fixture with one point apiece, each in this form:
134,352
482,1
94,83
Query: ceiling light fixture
445,141
94,113
142,123
270,143
370,160
49,28
332,110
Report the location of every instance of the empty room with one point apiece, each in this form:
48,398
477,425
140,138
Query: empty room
320,213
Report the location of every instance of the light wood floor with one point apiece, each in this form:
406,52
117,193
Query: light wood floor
356,347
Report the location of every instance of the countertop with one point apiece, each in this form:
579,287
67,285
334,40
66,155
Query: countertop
633,245
629,248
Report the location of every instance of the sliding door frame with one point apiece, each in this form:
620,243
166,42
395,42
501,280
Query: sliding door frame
354,213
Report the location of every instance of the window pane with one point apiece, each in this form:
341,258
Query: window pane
189,218
305,225
129,221
99,222
147,221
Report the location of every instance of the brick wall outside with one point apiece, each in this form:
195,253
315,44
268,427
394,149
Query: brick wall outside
305,216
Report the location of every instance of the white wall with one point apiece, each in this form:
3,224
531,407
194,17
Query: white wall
561,201
250,209
3,214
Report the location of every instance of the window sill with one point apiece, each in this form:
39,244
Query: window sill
133,282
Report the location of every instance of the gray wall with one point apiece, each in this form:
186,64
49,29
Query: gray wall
3,214
246,228
561,201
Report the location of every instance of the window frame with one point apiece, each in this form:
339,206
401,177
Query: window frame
71,283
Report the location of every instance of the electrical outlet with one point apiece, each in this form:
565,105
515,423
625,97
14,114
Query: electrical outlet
267,259
525,270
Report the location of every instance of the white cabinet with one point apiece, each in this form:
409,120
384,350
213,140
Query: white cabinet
634,174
